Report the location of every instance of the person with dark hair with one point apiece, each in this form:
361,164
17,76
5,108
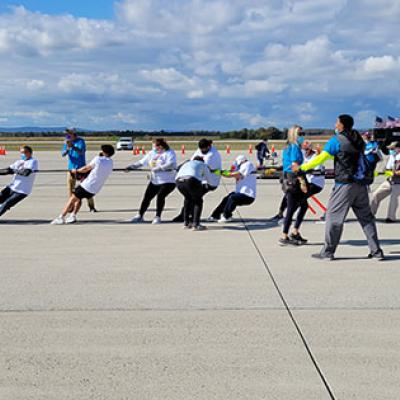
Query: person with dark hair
347,148
262,152
75,148
162,162
98,171
212,159
24,171
190,180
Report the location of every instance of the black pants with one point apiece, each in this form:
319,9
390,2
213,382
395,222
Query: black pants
312,191
229,203
161,191
193,192
206,189
295,201
8,199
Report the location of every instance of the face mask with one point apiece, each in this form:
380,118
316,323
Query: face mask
392,152
300,140
23,157
337,131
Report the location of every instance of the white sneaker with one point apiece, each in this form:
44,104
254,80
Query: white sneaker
224,220
71,219
211,219
137,219
58,221
156,221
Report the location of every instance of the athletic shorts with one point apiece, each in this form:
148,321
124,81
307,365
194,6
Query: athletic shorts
81,193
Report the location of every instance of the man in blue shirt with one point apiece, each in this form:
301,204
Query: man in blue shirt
345,147
75,148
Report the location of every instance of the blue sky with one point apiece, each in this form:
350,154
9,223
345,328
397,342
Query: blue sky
198,64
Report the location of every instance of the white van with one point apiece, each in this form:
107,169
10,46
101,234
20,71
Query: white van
125,143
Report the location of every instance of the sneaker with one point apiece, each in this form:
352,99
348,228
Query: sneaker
187,226
58,221
93,209
137,219
71,219
287,242
390,221
224,220
212,219
156,221
321,256
298,238
276,218
377,255
199,228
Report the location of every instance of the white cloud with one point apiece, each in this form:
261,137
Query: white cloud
175,63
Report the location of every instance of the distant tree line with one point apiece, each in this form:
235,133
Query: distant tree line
249,134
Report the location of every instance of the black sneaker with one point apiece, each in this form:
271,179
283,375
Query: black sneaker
322,256
287,242
93,210
178,218
276,217
390,221
298,238
378,255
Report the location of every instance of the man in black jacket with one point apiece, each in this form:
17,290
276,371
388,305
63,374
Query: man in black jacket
346,148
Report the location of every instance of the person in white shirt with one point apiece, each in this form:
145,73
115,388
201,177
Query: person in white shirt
98,170
212,158
24,171
162,161
390,186
192,180
245,193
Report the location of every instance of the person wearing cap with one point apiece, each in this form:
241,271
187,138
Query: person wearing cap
97,171
346,148
192,180
24,171
162,161
212,158
244,194
391,186
262,152
75,148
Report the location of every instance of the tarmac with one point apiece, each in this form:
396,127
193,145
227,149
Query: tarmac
106,309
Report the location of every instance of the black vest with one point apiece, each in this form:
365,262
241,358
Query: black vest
346,161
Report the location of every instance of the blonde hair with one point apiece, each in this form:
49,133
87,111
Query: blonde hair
293,134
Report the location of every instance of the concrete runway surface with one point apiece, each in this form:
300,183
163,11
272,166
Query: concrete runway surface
109,310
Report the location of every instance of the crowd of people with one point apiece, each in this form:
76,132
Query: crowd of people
355,157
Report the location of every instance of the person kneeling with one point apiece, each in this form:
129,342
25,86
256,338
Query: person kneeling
192,180
245,192
99,169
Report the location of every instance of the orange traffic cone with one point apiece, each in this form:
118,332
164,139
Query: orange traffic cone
250,149
228,149
273,149
183,149
143,150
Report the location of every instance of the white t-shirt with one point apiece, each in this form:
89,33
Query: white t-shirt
102,168
318,180
163,165
24,184
248,184
213,160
